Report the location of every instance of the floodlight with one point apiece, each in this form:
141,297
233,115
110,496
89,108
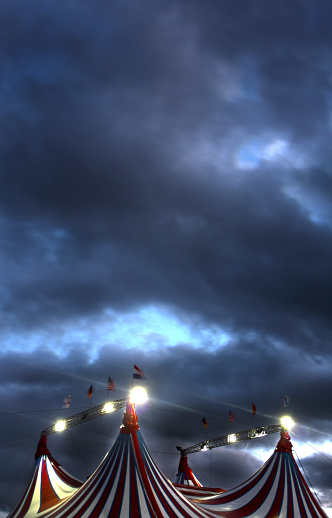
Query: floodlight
138,395
232,438
60,426
287,422
108,407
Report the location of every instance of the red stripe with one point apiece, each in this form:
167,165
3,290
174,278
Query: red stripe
99,476
48,497
146,483
181,504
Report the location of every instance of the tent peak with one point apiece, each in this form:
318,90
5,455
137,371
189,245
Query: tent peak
130,422
42,447
284,443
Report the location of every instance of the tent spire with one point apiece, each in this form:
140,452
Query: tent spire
42,447
129,423
284,443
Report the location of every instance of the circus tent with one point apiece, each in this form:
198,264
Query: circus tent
128,483
277,489
49,484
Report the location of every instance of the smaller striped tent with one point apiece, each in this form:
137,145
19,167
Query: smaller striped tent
277,489
185,474
49,484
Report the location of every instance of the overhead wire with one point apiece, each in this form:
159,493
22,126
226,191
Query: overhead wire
16,477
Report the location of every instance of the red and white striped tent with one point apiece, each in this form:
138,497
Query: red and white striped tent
129,484
49,484
277,489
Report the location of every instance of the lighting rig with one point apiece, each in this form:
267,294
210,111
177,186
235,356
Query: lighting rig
138,396
224,440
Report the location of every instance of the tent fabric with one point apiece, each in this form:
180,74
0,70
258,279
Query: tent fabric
277,489
129,484
49,484
194,492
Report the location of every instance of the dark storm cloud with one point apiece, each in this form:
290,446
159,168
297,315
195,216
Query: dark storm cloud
167,155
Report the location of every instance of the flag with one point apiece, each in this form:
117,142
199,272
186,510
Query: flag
111,384
253,408
89,392
204,421
286,401
231,417
67,402
138,374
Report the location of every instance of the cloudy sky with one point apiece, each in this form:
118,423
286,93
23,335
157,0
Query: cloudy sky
165,194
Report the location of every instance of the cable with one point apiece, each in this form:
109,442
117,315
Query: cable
20,440
310,484
78,453
18,474
311,446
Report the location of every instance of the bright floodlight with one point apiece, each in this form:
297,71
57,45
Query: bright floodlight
108,407
287,422
60,426
138,395
232,438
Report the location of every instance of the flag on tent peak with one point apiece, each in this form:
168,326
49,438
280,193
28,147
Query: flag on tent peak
111,385
204,421
138,374
89,392
286,401
231,417
66,402
253,408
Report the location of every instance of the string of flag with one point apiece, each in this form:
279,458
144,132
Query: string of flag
137,374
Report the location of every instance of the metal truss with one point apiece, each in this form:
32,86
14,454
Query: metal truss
253,433
87,415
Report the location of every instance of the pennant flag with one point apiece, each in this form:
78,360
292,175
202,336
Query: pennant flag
67,402
204,421
111,384
138,374
286,401
89,392
253,408
231,417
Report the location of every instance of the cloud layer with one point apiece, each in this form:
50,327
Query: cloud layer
165,200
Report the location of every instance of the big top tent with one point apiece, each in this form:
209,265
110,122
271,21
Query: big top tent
128,483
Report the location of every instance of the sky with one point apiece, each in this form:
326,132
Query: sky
165,201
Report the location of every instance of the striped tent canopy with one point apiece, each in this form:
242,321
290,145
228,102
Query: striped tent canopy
49,484
127,483
277,489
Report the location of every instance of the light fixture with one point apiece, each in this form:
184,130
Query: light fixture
60,426
232,438
287,422
108,407
138,395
